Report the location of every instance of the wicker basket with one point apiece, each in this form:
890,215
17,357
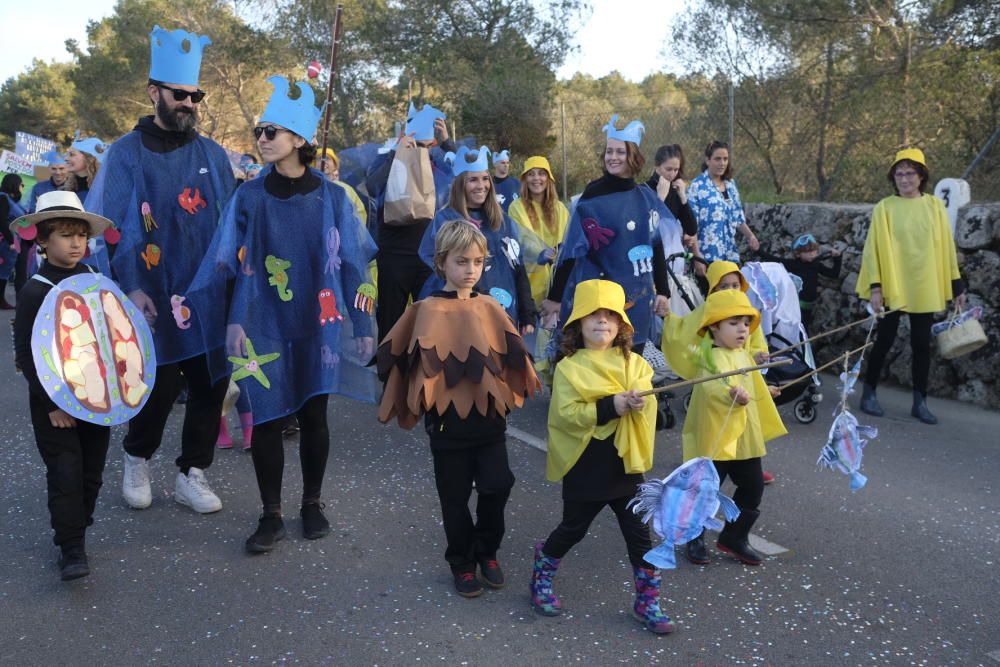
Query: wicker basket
961,338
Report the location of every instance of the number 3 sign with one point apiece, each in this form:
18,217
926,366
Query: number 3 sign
954,192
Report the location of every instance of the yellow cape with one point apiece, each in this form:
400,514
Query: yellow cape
713,431
681,339
910,251
540,274
580,381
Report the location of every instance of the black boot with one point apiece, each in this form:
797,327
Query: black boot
270,530
734,538
869,404
920,409
73,563
696,551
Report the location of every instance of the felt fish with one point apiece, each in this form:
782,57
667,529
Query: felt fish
844,446
681,506
151,256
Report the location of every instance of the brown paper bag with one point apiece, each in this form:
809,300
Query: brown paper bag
409,192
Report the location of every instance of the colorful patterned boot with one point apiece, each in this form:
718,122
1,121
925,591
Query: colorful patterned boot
223,441
246,425
647,601
543,599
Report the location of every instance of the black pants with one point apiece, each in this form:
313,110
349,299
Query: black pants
74,464
201,414
455,471
399,278
920,345
314,447
748,476
579,514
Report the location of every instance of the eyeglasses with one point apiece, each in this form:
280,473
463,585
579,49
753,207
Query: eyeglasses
269,131
181,95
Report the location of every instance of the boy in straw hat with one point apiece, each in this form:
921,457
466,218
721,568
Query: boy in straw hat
73,451
730,419
600,442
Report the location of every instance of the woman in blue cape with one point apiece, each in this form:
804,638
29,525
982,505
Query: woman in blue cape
290,261
472,198
614,235
10,210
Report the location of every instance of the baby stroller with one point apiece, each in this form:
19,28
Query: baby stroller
774,292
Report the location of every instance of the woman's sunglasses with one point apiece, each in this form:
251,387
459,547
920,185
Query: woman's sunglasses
181,95
269,131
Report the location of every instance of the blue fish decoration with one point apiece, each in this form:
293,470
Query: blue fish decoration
681,506
844,446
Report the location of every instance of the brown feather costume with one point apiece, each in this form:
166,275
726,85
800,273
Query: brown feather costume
464,352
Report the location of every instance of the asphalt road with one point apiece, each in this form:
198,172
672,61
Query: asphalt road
902,572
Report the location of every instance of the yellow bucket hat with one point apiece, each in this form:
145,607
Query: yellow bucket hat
720,268
328,152
591,295
911,154
537,162
725,304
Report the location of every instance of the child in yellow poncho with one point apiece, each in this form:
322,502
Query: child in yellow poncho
600,442
730,419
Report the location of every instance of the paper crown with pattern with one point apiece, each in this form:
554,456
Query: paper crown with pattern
421,123
502,156
52,158
175,56
460,161
300,115
632,132
90,146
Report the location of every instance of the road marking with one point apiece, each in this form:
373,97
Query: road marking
994,654
527,438
765,547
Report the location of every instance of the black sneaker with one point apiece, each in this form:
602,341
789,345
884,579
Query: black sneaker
314,523
73,564
270,531
467,585
490,573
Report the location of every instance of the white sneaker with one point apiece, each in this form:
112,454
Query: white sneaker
135,483
193,490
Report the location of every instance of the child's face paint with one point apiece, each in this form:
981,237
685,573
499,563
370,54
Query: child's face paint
728,281
731,333
599,329
65,247
477,187
462,269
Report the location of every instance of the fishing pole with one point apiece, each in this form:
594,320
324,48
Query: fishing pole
338,29
833,331
738,371
824,366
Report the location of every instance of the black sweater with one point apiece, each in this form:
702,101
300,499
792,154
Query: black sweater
599,473
681,211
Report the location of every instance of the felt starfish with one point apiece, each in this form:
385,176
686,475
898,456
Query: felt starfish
252,365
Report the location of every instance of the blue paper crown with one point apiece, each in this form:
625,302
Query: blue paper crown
53,157
501,156
632,132
460,164
421,123
170,62
91,146
300,115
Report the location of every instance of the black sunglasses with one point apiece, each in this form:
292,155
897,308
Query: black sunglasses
181,95
269,131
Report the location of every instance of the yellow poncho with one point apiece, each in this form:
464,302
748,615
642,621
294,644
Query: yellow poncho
910,251
540,274
580,381
681,340
707,429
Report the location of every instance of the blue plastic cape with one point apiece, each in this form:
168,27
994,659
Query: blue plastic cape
8,253
167,207
611,237
297,270
504,247
508,190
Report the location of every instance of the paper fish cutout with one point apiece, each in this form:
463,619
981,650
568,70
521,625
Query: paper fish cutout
843,449
276,267
151,256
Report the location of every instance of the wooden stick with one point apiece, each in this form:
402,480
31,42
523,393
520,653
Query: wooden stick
831,332
839,358
738,371
338,29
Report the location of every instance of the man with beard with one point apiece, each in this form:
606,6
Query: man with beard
164,185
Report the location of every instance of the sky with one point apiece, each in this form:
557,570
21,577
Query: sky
602,48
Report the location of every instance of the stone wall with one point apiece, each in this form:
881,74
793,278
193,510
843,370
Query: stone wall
974,378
